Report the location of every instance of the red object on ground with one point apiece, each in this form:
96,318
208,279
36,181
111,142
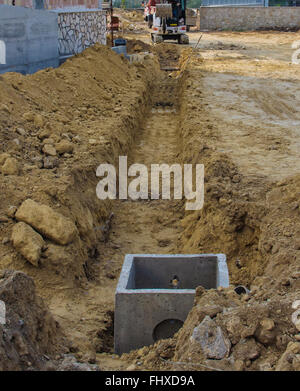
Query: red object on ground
115,23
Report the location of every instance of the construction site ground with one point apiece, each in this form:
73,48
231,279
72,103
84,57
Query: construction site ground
232,106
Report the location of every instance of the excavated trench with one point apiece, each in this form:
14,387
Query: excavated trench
148,226
171,125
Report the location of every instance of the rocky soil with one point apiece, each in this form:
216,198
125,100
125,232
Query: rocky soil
58,125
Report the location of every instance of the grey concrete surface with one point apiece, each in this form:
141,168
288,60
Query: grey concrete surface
31,39
147,304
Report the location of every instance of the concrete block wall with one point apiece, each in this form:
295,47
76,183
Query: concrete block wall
79,30
249,18
30,37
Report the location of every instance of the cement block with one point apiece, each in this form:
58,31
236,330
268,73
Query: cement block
149,306
31,39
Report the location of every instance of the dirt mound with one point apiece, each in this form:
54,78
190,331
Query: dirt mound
227,331
57,126
30,337
136,46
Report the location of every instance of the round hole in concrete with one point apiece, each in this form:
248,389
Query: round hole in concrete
166,329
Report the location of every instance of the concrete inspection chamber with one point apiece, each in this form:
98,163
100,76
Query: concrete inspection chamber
156,292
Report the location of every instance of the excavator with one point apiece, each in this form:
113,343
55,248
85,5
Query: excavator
167,18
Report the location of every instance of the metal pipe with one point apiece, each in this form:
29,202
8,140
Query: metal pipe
241,290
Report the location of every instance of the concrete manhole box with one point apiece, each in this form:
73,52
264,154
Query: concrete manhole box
156,292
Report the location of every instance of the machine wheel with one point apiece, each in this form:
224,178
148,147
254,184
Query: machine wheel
157,38
164,25
183,39
150,21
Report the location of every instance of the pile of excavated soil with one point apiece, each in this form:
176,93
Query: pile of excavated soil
136,46
225,331
57,126
130,21
29,336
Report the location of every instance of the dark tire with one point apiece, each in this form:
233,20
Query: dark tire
150,21
164,25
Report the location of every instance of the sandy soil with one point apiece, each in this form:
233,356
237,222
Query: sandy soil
233,109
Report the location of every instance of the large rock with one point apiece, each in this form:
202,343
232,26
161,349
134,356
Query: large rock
211,339
46,221
27,242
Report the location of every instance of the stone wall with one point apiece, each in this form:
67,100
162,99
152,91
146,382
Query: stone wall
249,18
79,30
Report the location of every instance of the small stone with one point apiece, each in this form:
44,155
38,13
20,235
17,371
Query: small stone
64,146
50,162
211,310
239,365
265,367
296,319
38,120
5,241
27,242
296,304
286,282
21,131
4,107
265,332
44,134
10,167
92,141
131,367
235,179
246,349
267,324
48,141
66,136
48,149
3,157
77,139
29,116
16,141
